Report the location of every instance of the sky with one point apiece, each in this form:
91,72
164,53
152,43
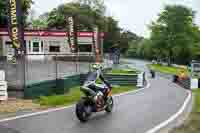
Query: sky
133,15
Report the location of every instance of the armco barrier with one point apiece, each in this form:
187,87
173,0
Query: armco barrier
117,79
60,86
122,79
51,87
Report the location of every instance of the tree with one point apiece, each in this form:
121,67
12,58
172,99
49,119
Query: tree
133,49
174,29
126,37
86,17
26,5
38,23
89,14
112,33
195,51
141,48
97,5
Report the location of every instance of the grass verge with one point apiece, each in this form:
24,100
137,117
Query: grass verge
73,96
123,71
165,69
192,125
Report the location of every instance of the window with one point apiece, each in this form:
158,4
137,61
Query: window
42,46
25,44
54,48
54,43
29,46
36,47
8,43
85,48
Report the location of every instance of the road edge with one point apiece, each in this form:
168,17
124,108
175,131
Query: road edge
165,126
67,107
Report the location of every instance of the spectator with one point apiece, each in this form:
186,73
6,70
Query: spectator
116,53
118,56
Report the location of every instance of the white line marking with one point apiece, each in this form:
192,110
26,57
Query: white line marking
62,108
172,118
35,114
132,92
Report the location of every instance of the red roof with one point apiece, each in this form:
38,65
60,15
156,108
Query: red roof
49,33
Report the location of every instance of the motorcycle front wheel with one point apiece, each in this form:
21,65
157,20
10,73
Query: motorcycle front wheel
110,104
82,112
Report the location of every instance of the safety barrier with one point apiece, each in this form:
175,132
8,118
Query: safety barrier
3,87
62,85
123,79
46,88
186,83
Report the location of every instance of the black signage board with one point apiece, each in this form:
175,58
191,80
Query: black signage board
15,26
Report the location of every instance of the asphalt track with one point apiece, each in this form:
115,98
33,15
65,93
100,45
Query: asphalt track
133,113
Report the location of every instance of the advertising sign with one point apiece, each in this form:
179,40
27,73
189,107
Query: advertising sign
10,54
72,34
194,83
15,26
140,80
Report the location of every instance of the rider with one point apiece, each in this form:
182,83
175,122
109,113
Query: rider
92,85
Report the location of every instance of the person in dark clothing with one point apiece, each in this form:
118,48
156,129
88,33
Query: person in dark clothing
152,73
118,55
91,85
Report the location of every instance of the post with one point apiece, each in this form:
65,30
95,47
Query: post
56,67
72,38
96,44
16,32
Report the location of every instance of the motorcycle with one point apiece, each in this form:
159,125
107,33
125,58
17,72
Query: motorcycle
89,104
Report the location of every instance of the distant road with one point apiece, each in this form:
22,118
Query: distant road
139,64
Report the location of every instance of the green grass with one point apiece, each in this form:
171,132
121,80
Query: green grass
73,96
192,125
123,71
197,100
57,100
121,89
164,69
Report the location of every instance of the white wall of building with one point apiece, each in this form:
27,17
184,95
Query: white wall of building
45,43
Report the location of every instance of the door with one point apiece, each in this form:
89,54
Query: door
37,47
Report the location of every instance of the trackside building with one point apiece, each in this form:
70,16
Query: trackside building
44,42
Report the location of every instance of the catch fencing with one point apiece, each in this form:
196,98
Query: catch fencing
44,74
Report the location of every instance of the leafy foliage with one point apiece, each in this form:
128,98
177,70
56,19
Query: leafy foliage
86,17
26,5
174,32
174,37
91,13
